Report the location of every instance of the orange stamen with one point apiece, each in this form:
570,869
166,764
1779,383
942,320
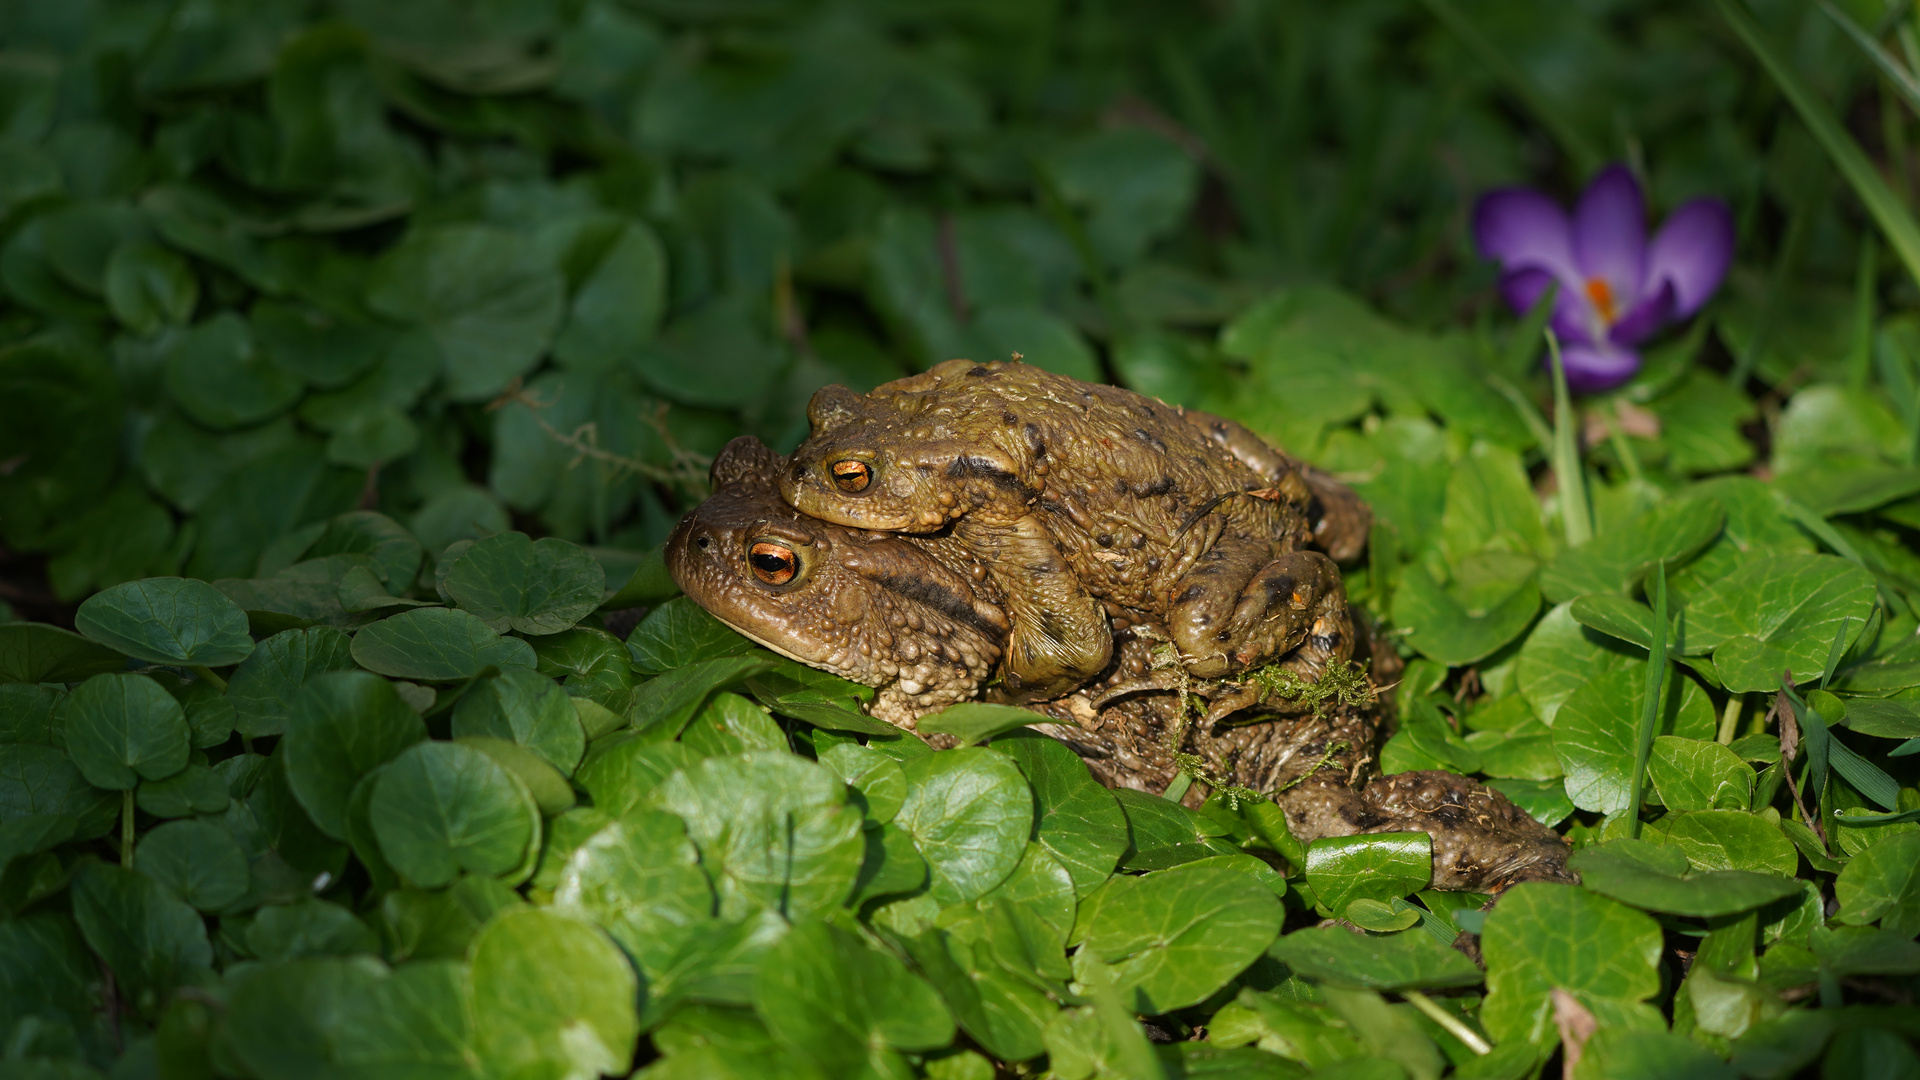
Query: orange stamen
1602,296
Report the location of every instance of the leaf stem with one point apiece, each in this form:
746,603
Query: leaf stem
1453,1024
1650,711
1730,718
126,828
1575,513
213,680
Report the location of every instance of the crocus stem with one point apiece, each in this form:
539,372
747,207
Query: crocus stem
1453,1024
1575,513
213,680
126,828
1650,712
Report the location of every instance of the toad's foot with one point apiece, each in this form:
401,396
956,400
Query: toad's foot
1292,600
1060,636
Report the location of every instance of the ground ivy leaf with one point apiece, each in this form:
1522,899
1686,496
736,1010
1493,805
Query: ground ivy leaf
1616,560
1405,960
1694,774
1080,822
37,653
1593,731
1778,614
46,970
621,771
640,879
835,1001
974,722
879,779
533,586
1175,936
292,1017
732,724
553,997
774,830
440,808
1633,872
217,376
344,725
121,728
1454,629
44,780
1560,656
1162,833
1374,866
1728,840
309,926
198,860
264,685
1882,884
528,708
1613,958
168,620
681,632
550,791
436,645
151,938
970,813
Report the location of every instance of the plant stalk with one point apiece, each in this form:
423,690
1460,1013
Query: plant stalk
1575,512
1650,711
1453,1024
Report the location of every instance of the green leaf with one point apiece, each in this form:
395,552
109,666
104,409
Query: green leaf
264,686
970,813
47,971
731,724
619,303
1080,823
217,376
1728,840
975,722
1560,656
1593,733
1617,560
846,1007
37,653
195,789
1175,936
1453,628
309,926
1374,866
490,300
440,808
1777,614
1882,885
199,861
775,831
545,784
1162,833
121,728
1636,873
436,645
681,632
553,997
151,939
1410,960
43,780
342,1014
881,781
620,772
1693,774
148,287
663,705
168,620
533,586
1611,963
318,347
640,879
528,708
344,725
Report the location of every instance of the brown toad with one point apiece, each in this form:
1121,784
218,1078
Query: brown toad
1079,498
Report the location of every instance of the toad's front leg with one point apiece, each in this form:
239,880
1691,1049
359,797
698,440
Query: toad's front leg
1060,635
1241,606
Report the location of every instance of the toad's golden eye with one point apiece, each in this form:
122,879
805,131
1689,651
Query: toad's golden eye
773,563
852,475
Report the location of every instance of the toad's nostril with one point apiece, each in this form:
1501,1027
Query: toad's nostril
702,541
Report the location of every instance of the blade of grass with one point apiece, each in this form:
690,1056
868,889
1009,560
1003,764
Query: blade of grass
1568,473
1896,224
1860,362
1586,156
1650,712
1897,74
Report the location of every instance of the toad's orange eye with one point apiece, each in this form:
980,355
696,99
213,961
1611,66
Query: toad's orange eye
773,563
852,475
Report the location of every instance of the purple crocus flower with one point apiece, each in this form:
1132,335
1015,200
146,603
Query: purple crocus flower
1616,288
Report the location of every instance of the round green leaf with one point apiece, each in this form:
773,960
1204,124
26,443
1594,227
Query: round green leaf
344,725
774,830
1175,936
1882,884
44,780
1407,960
36,653
317,347
265,684
1593,731
1626,872
151,938
168,620
528,708
148,287
333,1016
1560,656
195,789
1695,774
619,304
550,790
553,998
1779,614
1374,866
309,926
641,880
1459,629
622,770
199,860
970,813
440,808
533,586
832,999
436,645
490,299
396,554
1730,840
120,728
1531,946
218,378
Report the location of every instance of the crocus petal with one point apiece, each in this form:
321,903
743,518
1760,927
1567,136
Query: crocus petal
1595,367
1520,228
1573,317
1610,234
1692,252
1654,310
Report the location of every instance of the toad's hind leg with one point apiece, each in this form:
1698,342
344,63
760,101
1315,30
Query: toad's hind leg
1293,601
1060,636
